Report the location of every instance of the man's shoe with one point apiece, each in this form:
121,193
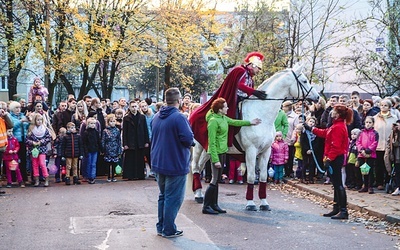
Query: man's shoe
208,210
370,190
176,234
8,185
114,180
342,215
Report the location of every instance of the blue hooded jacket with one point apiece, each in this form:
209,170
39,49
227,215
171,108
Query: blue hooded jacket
171,142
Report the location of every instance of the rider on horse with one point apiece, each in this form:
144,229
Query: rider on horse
237,85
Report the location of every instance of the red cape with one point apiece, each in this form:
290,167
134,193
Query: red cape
228,91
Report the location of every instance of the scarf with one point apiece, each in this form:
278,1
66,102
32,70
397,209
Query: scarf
39,131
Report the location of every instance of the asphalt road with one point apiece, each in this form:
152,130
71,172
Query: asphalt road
122,215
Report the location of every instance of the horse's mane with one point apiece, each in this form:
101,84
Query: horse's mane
266,84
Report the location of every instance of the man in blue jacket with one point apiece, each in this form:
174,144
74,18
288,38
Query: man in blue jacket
172,138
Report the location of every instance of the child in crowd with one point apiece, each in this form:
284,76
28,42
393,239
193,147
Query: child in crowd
279,156
307,150
57,154
297,153
71,151
353,174
366,145
11,159
235,172
92,144
37,89
119,115
111,145
38,137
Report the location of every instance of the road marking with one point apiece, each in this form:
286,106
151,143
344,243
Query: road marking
104,245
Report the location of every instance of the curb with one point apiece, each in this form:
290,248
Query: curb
354,206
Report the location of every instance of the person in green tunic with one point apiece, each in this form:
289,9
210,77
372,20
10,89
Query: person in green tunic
217,127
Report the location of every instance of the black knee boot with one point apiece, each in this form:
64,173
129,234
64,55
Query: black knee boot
209,200
335,205
214,205
343,214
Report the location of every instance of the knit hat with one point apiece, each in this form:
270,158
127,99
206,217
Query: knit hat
376,98
278,133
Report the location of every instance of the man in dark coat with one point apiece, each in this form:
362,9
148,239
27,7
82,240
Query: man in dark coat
135,138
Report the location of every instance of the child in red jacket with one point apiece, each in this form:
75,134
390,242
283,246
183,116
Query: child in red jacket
10,158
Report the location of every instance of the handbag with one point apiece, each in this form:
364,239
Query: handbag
365,169
118,169
35,152
13,165
271,172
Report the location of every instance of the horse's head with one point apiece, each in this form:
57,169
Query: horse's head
302,89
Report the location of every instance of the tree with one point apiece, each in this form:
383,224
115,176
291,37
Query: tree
178,40
16,30
314,27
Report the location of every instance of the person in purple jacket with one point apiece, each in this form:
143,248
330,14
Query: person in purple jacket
172,139
366,145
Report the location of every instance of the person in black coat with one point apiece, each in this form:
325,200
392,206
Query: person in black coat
135,138
307,150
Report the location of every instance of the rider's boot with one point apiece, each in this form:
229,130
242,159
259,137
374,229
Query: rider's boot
208,200
214,205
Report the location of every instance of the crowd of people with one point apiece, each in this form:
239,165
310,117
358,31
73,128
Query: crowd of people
355,142
84,138
372,134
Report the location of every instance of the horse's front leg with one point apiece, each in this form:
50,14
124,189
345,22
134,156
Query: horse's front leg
251,175
262,188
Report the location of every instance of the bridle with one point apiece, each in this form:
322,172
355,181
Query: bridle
300,87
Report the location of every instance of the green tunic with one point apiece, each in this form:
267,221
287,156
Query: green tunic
217,126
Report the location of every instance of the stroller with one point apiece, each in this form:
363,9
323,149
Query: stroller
391,185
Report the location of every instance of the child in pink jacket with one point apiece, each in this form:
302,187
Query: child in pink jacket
279,156
366,145
10,158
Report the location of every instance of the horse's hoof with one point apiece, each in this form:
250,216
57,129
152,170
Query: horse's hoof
251,208
199,199
265,208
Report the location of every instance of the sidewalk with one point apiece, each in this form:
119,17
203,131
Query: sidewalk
379,204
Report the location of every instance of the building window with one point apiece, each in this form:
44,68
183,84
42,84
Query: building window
4,85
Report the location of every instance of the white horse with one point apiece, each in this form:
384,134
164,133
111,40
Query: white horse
256,141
